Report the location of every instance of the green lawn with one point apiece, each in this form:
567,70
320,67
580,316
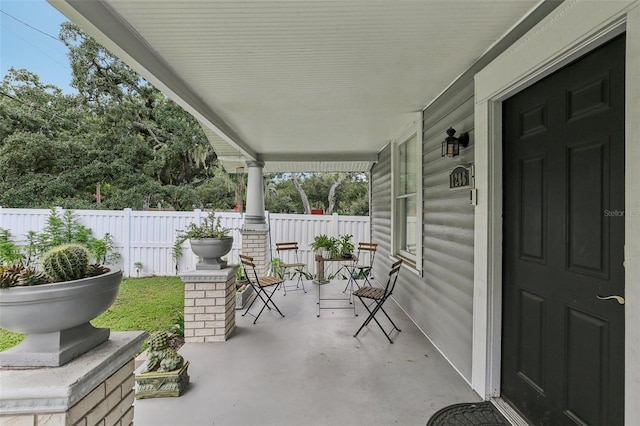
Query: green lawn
148,304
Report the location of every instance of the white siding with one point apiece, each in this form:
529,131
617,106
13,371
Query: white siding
440,302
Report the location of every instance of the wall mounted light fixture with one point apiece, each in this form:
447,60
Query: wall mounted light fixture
451,144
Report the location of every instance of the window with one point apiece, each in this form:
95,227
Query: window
407,208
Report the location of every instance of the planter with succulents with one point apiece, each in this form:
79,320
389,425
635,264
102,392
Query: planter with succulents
53,307
210,241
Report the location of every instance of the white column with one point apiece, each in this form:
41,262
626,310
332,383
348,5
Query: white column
254,216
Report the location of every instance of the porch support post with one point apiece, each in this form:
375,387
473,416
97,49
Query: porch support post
255,231
209,305
254,217
255,244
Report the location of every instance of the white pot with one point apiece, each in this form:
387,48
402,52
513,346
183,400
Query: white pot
211,250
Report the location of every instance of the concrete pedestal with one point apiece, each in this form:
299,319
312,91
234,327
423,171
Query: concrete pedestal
209,305
54,349
160,385
95,388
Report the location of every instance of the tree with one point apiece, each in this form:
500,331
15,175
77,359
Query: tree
332,193
219,191
303,194
345,193
281,195
352,197
121,143
39,152
118,135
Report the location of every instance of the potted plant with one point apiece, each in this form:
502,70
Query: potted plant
53,306
325,246
346,246
209,240
276,268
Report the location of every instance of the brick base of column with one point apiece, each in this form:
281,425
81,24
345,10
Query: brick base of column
96,388
209,305
255,244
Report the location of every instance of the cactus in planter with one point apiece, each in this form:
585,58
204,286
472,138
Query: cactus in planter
67,262
55,317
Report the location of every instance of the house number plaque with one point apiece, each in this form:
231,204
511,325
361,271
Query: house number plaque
461,177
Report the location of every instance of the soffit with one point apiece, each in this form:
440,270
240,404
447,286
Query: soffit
326,83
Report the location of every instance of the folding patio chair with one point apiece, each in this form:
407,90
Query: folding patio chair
377,297
288,253
260,285
361,267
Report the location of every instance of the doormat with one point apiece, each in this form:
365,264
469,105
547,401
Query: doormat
468,414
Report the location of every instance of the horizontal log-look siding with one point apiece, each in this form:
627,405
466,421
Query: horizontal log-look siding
381,211
440,302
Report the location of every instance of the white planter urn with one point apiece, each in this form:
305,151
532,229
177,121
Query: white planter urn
55,317
211,251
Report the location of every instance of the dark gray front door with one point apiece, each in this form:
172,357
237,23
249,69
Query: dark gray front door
563,346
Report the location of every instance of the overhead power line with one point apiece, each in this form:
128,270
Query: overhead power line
58,39
37,108
31,26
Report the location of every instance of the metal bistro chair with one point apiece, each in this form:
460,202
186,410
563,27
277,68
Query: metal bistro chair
260,286
377,297
361,267
288,253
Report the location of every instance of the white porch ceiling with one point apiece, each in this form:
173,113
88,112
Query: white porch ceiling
307,85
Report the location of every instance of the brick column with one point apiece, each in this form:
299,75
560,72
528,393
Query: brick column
95,388
255,244
209,305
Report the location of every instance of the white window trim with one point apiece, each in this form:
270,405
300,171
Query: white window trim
411,129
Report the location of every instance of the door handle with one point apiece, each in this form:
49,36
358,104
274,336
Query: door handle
618,299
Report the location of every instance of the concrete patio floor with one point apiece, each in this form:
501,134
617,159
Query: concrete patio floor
304,370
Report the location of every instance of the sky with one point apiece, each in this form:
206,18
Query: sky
23,44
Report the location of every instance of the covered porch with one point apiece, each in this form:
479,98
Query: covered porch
305,370
355,86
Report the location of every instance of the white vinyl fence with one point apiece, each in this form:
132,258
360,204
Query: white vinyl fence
148,236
